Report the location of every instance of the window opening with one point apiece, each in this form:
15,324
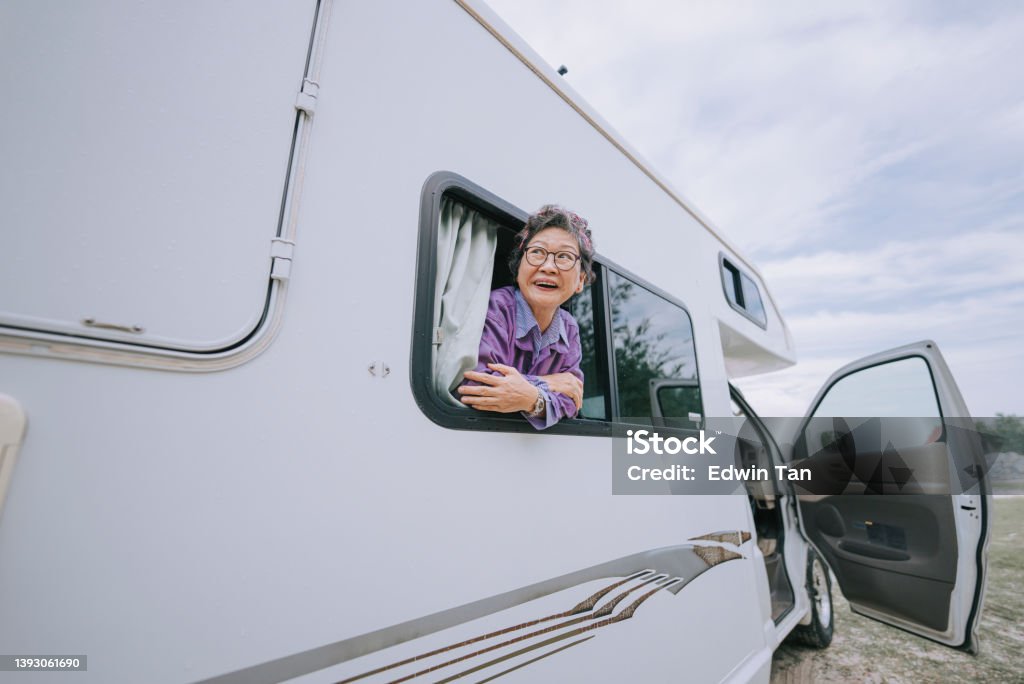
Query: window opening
470,238
638,356
742,293
733,287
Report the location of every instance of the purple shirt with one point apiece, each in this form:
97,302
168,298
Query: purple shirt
512,337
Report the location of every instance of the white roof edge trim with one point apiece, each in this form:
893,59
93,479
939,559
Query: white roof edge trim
515,44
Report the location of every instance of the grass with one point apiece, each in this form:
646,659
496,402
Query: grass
1008,486
867,651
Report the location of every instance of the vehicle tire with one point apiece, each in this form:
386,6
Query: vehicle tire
818,634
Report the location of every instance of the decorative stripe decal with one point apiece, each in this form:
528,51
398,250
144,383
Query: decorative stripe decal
528,662
582,607
624,615
675,566
713,555
605,610
738,538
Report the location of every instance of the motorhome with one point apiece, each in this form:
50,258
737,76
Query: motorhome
244,251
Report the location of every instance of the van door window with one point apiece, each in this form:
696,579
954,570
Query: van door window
653,342
900,389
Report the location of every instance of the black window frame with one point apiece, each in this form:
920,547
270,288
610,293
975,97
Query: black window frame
447,183
738,300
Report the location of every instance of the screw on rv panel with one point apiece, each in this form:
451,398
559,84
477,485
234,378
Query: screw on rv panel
563,70
383,368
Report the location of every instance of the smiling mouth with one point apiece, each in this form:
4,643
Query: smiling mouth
547,286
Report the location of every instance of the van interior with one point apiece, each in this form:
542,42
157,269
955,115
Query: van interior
766,504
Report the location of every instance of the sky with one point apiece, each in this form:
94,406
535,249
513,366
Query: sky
868,157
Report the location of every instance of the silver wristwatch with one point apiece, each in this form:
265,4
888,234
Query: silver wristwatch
538,406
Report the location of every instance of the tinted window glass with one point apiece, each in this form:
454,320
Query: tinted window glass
594,382
752,299
653,341
893,389
902,390
679,405
679,400
742,293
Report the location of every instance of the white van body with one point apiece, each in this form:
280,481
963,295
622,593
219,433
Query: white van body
216,464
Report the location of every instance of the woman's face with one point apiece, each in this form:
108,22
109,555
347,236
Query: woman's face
546,287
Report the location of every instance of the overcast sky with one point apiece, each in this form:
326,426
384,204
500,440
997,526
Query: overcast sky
868,157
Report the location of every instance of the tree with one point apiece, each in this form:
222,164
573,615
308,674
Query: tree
641,355
1005,433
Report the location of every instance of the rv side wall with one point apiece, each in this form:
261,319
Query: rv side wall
176,526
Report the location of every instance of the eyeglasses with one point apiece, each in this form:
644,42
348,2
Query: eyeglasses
538,256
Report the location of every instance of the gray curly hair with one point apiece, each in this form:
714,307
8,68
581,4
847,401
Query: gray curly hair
555,216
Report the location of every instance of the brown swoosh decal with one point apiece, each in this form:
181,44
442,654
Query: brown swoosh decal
581,607
683,561
624,614
713,555
728,537
524,664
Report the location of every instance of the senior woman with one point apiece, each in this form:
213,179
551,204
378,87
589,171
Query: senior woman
530,348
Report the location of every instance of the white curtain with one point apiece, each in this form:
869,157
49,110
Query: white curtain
466,241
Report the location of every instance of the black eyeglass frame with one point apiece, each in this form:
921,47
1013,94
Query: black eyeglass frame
538,248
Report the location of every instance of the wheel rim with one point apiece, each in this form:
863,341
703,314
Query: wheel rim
820,593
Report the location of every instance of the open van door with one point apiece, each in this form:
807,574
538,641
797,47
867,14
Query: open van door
897,507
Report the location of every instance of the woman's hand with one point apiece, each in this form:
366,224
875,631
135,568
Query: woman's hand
505,393
567,384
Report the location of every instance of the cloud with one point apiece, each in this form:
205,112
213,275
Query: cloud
866,155
769,116
965,292
899,274
977,336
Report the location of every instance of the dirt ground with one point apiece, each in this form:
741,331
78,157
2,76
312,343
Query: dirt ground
863,650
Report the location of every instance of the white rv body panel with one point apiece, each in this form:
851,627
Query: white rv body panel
287,506
150,140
